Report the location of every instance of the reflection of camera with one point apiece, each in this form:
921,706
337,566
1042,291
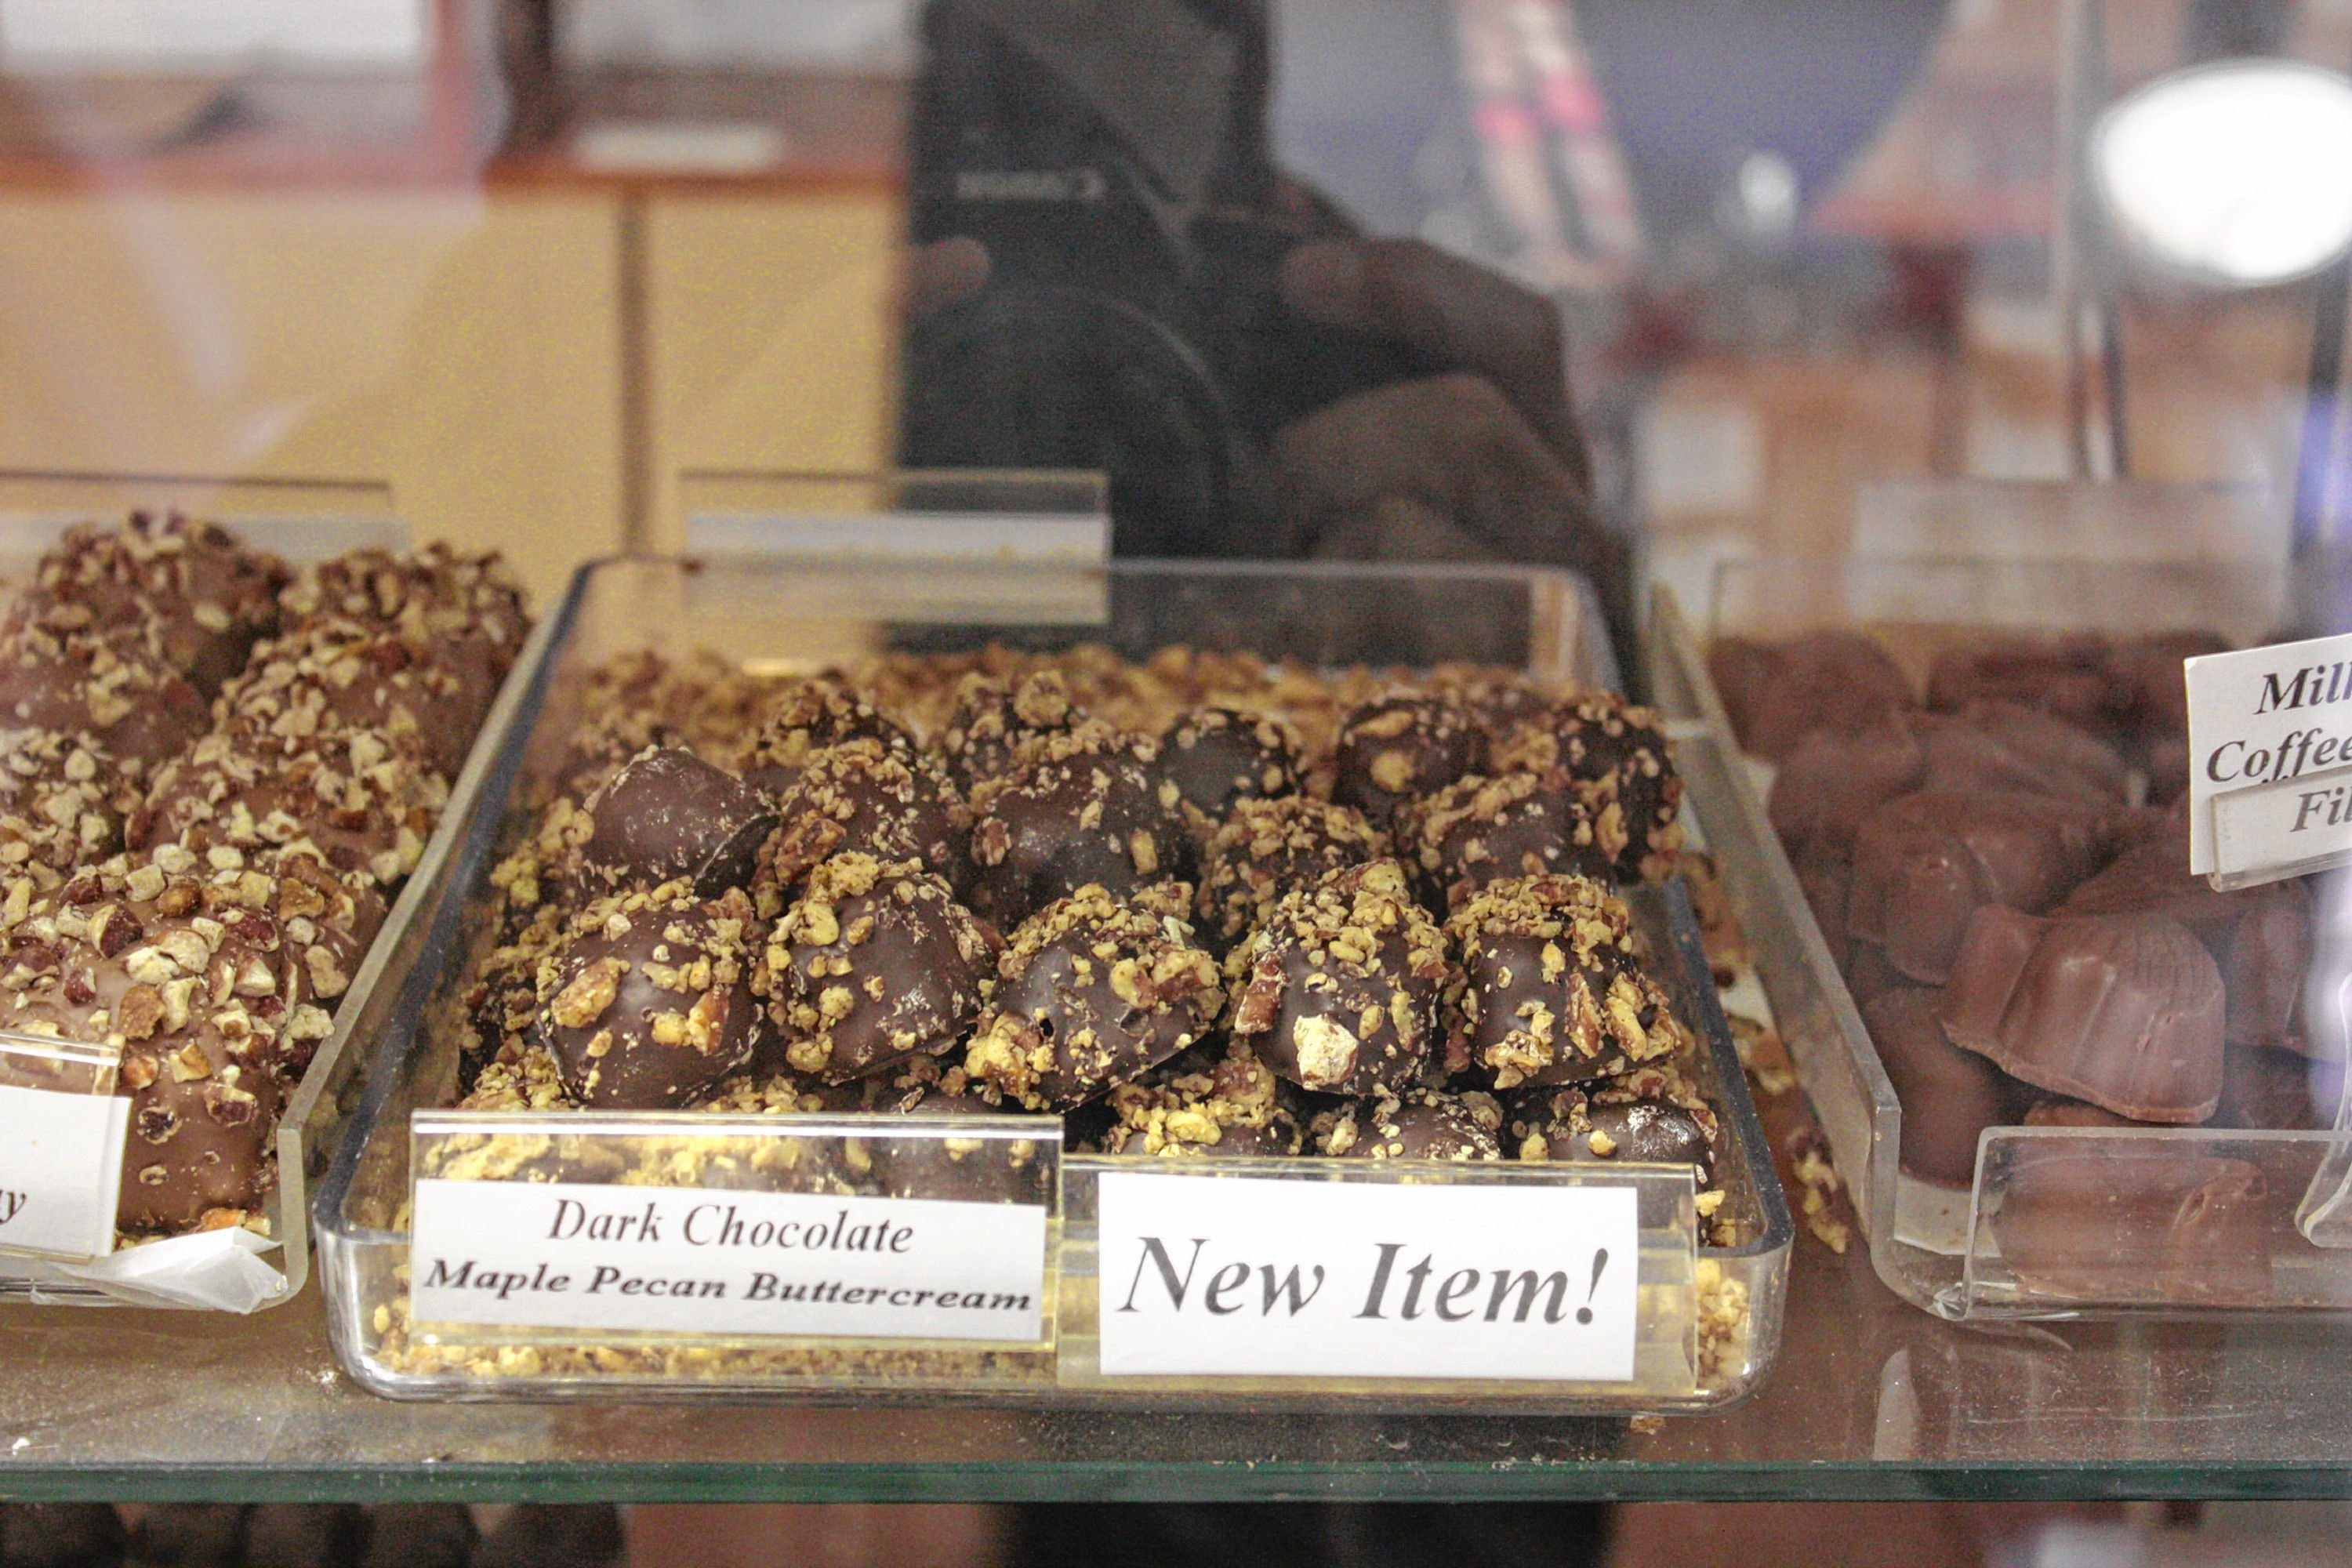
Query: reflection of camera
1112,160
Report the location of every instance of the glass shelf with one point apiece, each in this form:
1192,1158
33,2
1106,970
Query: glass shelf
1871,1398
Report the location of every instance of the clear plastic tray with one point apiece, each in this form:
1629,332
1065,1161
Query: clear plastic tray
2000,1248
805,616
33,510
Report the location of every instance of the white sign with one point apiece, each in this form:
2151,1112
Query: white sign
133,35
1301,1278
60,1170
2284,829
704,1260
2260,718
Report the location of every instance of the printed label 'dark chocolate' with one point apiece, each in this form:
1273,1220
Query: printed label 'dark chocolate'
714,1261
1308,1279
2270,731
60,1170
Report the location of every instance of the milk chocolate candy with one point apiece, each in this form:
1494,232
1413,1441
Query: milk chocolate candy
2067,679
1949,1095
2002,745
1923,863
875,961
858,795
1401,747
431,592
1086,807
62,803
427,697
1829,782
2123,1011
1625,769
1091,991
1551,988
2261,937
645,1004
1776,693
1824,871
2136,1225
103,685
666,815
1216,757
2279,1090
1337,991
194,594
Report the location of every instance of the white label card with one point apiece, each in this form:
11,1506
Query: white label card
60,1170
700,1260
2262,718
1307,1278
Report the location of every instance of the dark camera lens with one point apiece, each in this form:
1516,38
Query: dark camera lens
1048,376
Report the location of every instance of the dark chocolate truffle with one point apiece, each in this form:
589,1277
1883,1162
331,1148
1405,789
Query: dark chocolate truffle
1419,1124
2125,1011
995,722
645,1003
1551,988
1339,988
858,795
1087,806
1397,748
875,963
1265,847
668,815
1923,864
1216,757
806,717
1620,759
1776,693
1091,991
1478,830
1230,1106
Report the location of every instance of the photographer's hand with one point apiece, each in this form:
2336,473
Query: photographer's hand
1480,463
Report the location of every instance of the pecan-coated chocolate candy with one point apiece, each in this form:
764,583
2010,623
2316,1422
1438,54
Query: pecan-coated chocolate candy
668,815
62,803
104,684
875,963
1397,748
1227,1106
187,588
645,1003
1552,987
995,722
435,591
808,716
859,796
1478,830
365,806
1567,1124
1419,1124
1219,755
1086,807
1337,991
337,675
1091,991
1617,755
1266,848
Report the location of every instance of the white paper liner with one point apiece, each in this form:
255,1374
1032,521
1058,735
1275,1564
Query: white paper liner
221,1270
